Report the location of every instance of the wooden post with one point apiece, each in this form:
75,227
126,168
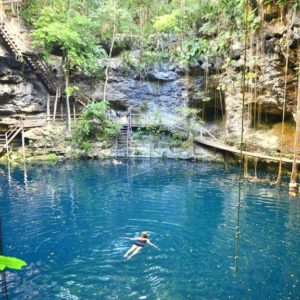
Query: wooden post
9,172
225,160
25,175
116,152
293,188
245,166
1,11
74,112
255,167
55,102
62,110
7,150
48,107
23,143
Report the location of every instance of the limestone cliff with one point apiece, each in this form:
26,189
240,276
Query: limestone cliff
20,91
213,86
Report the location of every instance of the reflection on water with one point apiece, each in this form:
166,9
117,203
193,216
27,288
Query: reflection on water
69,222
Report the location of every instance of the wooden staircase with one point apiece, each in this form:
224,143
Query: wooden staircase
124,140
39,66
33,60
6,35
80,98
9,135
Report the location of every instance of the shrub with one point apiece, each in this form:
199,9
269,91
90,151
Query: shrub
94,123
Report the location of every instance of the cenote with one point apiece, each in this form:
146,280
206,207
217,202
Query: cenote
69,223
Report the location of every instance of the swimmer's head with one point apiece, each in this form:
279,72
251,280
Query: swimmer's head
144,234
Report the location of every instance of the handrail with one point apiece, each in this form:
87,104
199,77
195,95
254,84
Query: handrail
11,137
13,132
8,31
81,98
38,63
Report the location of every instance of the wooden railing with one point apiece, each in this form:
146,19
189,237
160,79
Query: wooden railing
10,134
36,62
6,34
81,98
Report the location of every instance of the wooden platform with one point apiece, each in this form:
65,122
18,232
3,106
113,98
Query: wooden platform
226,148
6,2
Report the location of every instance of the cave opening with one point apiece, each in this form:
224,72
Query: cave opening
211,107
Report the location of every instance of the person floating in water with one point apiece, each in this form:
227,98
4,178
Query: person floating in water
116,162
139,243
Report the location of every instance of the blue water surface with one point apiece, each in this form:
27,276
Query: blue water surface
69,222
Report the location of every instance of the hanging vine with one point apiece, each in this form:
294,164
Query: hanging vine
297,119
237,234
278,180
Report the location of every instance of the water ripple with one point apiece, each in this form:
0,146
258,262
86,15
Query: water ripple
69,222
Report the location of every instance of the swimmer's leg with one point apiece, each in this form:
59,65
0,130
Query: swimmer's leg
133,247
136,251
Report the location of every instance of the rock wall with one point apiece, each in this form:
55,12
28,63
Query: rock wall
20,91
266,55
165,87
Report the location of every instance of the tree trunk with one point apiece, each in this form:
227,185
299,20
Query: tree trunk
55,103
67,79
110,54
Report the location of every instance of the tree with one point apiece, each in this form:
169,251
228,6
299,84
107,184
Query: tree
95,123
74,33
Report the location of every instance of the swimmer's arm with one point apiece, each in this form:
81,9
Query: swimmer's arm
151,244
132,239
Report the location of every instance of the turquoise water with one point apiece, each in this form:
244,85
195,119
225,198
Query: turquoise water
69,222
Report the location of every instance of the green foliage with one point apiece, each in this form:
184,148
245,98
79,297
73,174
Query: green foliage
193,49
177,136
155,130
144,106
149,58
87,146
250,77
71,90
188,112
282,3
253,21
168,23
196,29
51,156
73,33
221,87
191,116
239,144
188,143
75,25
95,123
11,262
111,13
127,58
